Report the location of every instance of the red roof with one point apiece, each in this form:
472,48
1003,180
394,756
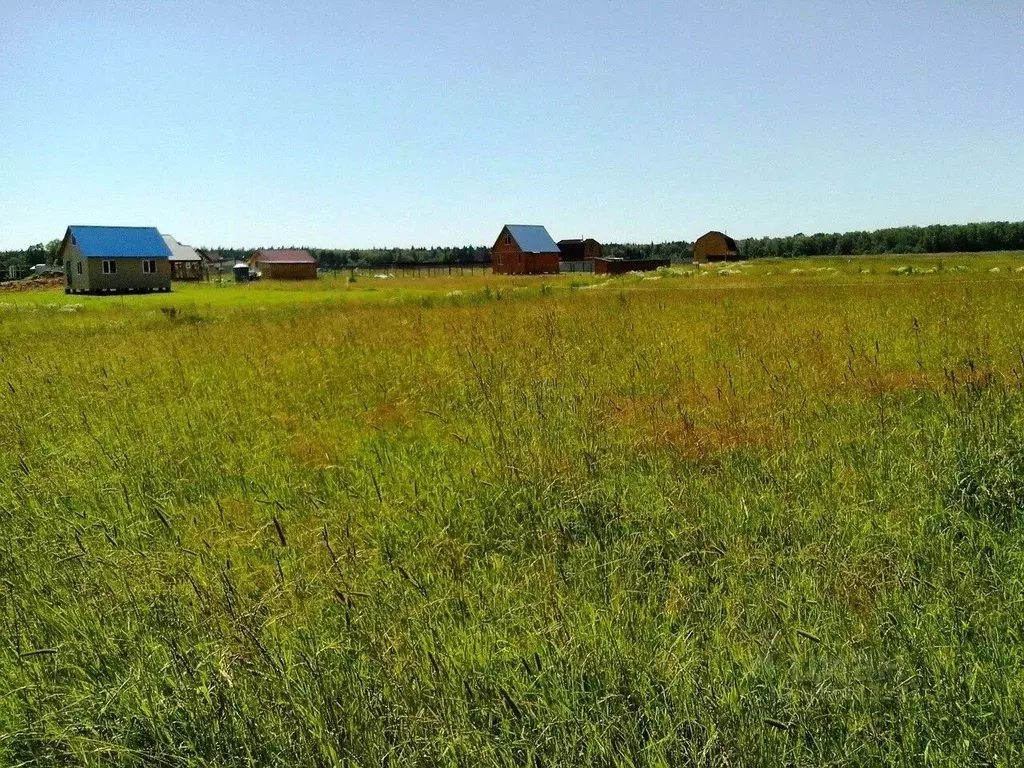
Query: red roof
283,256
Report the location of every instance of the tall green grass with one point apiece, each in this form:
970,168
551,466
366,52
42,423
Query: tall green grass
737,520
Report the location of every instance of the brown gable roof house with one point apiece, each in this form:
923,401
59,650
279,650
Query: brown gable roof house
284,264
715,246
525,249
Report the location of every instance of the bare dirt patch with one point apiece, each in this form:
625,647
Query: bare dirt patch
35,284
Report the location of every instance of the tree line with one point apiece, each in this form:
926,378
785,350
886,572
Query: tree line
339,258
40,253
332,258
326,257
937,238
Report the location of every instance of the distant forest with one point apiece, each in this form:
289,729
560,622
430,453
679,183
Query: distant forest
937,238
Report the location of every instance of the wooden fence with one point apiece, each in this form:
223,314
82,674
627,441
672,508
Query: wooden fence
410,270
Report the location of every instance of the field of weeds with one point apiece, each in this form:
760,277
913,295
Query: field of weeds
754,514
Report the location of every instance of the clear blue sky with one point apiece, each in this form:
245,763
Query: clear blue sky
394,123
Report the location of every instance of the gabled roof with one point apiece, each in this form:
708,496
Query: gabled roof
181,252
283,256
213,257
532,238
118,242
729,242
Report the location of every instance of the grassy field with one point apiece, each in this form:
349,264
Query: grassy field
762,514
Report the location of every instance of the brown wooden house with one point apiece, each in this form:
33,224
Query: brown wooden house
580,250
284,264
525,249
715,246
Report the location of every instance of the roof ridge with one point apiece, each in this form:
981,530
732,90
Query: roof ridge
111,226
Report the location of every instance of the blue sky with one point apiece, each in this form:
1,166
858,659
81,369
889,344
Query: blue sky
341,124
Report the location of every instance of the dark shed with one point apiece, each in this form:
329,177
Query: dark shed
580,250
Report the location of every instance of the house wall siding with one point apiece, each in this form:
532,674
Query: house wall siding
506,258
287,271
128,278
72,280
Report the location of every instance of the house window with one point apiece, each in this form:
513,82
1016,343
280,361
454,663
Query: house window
149,266
109,267
79,266
508,239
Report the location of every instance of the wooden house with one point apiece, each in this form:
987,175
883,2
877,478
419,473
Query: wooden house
525,249
715,246
186,263
115,260
580,250
283,264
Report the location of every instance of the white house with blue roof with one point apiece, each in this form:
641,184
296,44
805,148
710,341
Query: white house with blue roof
115,260
525,249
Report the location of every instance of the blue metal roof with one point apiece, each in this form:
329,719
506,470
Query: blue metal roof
119,242
532,238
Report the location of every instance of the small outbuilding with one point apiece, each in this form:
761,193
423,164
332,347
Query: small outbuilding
525,249
584,249
213,259
186,263
715,246
284,264
47,270
214,263
115,260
